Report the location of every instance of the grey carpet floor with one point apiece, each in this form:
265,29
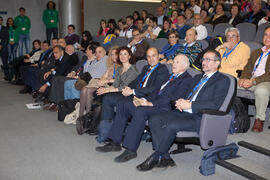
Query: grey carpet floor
35,146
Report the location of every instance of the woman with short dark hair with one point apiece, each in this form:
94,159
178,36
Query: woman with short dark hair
235,17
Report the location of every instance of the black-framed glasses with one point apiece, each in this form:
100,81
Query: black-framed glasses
207,59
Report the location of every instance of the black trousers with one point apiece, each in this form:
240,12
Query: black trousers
165,126
134,131
51,31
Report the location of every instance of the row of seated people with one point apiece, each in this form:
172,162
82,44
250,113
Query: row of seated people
154,80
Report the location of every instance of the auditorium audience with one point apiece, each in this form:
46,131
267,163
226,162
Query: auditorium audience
86,40
207,5
160,16
201,29
256,77
120,31
112,26
129,26
235,17
219,16
205,16
136,16
144,16
153,29
164,33
103,29
141,109
174,17
234,54
195,8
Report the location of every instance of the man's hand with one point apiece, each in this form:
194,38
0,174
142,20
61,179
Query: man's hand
127,91
182,104
43,88
241,82
71,74
46,75
248,83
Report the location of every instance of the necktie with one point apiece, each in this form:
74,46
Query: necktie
142,83
197,87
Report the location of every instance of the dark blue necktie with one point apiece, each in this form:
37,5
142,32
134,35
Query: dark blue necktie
197,87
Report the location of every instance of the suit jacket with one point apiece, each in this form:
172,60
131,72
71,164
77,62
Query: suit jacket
255,19
237,20
221,19
64,66
4,37
158,77
211,96
248,69
141,49
174,90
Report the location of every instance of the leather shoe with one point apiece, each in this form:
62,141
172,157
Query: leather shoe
125,156
109,147
148,164
54,108
165,163
258,126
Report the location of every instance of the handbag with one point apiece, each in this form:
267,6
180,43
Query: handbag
82,81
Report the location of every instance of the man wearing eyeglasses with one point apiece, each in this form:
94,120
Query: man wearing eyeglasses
256,77
234,54
207,91
138,45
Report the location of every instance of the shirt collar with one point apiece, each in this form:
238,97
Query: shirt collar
189,45
60,59
211,74
264,49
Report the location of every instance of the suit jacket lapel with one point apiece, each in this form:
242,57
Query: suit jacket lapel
209,82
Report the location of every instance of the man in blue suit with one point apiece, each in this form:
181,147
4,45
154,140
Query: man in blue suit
207,91
141,109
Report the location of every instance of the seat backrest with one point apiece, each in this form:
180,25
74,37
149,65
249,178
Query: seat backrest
193,72
203,43
121,41
253,45
220,29
150,41
259,34
160,43
214,128
140,64
247,31
209,28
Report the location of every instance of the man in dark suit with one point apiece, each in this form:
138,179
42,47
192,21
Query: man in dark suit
3,47
141,109
62,68
207,91
151,78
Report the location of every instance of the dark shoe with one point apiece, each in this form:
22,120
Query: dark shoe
47,108
26,89
35,94
109,147
165,163
125,156
258,126
148,164
46,101
40,98
54,108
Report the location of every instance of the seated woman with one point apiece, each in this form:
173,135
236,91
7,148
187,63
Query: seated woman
174,16
205,16
220,16
103,28
86,40
86,96
164,33
189,17
169,50
235,17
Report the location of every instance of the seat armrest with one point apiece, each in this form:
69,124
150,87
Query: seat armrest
213,112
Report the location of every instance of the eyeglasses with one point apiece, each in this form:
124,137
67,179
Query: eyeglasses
233,36
172,37
207,59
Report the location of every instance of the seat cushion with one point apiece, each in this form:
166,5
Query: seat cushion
183,134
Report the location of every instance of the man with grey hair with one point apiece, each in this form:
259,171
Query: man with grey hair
234,54
207,91
141,109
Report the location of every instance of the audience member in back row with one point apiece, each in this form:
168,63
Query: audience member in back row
234,54
189,17
196,9
129,26
160,16
208,91
190,48
220,16
256,77
169,50
72,38
86,40
201,29
205,16
153,29
164,33
256,14
103,29
149,80
138,45
50,19
141,109
235,17
181,26
86,96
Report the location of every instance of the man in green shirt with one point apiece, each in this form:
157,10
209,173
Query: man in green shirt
50,19
23,25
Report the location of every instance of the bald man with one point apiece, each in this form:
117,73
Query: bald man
141,109
150,80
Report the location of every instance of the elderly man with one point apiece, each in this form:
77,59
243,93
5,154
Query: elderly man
207,91
160,16
190,48
201,29
256,77
234,54
141,109
153,30
150,80
138,45
256,14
